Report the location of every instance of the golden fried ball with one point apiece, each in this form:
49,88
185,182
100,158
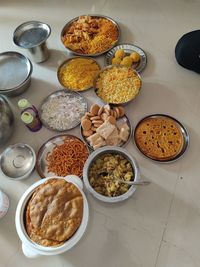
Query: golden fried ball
116,61
135,56
126,61
120,53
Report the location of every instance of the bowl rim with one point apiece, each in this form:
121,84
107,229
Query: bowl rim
32,165
114,150
29,72
20,227
91,15
27,23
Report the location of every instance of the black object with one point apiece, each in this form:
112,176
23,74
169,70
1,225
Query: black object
187,51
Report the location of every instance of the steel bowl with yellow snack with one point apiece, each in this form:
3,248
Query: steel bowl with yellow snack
105,170
78,73
117,85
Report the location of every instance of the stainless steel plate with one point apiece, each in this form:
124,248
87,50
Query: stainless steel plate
128,49
66,62
182,129
15,69
17,161
63,109
94,16
121,120
46,148
110,67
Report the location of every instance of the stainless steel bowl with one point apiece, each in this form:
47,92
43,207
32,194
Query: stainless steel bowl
110,67
112,150
6,120
32,35
65,63
18,161
15,73
93,16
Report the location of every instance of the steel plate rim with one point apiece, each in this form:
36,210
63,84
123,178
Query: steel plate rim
68,60
183,130
50,140
57,93
91,15
110,54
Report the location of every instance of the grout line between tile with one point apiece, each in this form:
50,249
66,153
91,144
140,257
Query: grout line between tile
166,223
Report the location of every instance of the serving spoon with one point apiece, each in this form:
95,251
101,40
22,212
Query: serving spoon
141,182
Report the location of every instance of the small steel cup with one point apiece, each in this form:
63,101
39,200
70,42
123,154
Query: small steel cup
32,35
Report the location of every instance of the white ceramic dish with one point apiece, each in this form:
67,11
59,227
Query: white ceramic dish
30,248
112,150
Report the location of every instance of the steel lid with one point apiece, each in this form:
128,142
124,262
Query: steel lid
15,68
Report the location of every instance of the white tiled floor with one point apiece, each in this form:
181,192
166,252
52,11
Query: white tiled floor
159,225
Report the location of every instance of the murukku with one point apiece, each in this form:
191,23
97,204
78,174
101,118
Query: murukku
68,158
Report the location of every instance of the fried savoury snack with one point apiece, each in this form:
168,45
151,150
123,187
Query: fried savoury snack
90,35
68,158
54,212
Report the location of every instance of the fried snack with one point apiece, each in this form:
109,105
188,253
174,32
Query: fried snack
90,35
120,53
67,158
127,62
78,74
116,167
126,59
104,128
118,85
159,138
54,212
135,56
116,61
94,109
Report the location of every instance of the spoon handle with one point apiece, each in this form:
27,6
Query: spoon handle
142,182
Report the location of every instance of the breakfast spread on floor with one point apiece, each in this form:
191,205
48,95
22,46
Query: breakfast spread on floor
53,210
